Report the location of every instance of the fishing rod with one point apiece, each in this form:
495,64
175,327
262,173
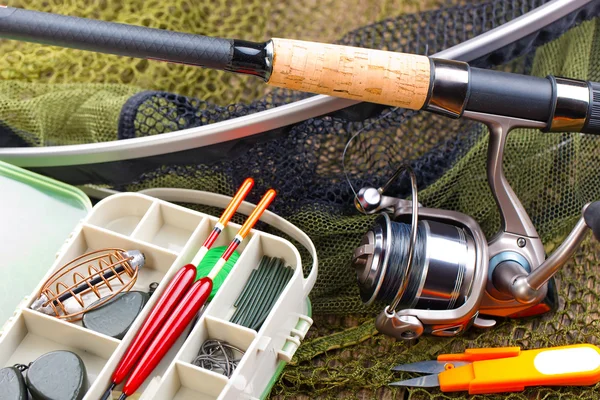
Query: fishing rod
417,82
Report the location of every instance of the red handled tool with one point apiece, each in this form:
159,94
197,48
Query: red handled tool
188,307
178,287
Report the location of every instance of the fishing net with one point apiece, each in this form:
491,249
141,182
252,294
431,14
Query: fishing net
60,96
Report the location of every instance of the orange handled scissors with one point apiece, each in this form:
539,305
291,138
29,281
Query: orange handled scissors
507,369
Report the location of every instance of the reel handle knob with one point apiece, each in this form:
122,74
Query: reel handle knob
591,215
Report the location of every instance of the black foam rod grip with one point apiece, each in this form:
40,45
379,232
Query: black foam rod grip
510,95
114,38
591,215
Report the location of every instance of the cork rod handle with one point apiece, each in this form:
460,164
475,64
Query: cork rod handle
396,79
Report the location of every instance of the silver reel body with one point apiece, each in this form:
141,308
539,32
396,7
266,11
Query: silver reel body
446,275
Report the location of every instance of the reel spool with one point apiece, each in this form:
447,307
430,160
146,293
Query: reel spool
442,270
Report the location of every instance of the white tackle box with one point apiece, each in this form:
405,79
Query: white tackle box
170,235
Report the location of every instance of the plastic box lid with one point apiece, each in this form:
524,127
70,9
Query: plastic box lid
37,214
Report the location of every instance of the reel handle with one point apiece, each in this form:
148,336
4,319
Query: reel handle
510,278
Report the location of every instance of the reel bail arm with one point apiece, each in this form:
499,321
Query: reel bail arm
370,200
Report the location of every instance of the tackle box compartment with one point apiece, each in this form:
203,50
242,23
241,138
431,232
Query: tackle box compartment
169,235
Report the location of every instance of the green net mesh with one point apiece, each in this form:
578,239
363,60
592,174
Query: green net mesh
54,96
58,114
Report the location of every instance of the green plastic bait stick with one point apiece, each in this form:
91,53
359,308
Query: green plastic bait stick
245,306
269,292
250,307
254,276
264,313
248,288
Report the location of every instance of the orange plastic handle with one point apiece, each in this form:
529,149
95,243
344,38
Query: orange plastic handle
482,354
576,365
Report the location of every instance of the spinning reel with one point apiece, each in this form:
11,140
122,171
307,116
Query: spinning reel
436,270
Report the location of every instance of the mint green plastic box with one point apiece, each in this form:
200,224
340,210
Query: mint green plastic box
37,215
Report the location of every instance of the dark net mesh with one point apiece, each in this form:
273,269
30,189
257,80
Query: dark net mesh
553,175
